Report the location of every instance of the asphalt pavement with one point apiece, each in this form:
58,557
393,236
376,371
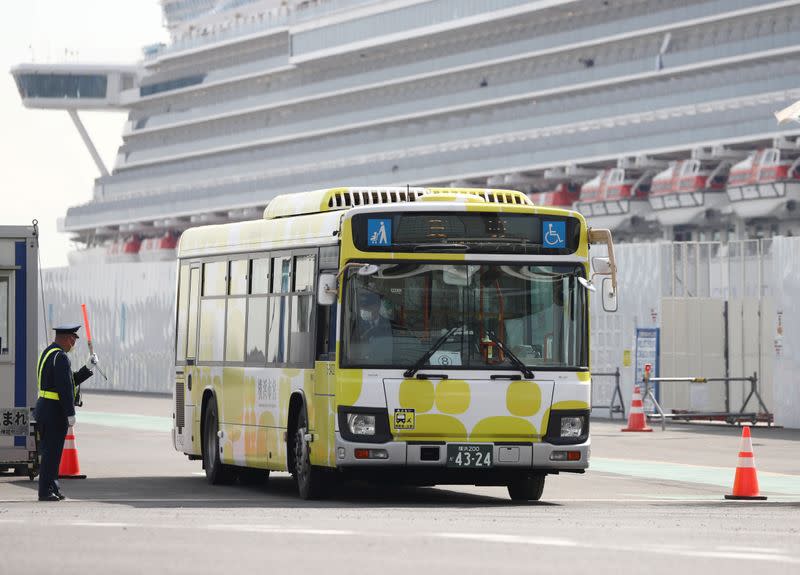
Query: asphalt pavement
650,502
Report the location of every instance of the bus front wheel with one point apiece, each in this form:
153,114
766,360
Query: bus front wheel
216,472
308,479
527,489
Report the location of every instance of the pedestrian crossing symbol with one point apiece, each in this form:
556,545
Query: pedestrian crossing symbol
379,232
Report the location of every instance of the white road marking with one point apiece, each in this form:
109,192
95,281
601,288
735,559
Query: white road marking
99,524
508,538
737,548
280,530
774,555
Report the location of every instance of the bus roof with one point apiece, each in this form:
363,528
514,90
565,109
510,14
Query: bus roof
313,218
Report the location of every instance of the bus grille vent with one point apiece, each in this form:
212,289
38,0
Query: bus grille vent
179,415
367,197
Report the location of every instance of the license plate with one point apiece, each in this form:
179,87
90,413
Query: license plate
479,456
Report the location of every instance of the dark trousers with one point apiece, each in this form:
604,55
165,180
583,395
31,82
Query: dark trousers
52,431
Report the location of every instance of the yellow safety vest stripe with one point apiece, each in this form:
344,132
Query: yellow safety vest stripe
46,394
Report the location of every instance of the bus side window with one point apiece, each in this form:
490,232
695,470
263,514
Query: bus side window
277,344
326,332
194,304
183,313
301,333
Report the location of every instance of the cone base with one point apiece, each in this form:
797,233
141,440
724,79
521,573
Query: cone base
747,497
645,429
72,477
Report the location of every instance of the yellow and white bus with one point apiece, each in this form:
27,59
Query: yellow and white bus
427,336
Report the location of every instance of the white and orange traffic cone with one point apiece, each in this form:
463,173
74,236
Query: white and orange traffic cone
636,418
745,484
69,468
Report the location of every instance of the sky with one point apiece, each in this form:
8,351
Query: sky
46,166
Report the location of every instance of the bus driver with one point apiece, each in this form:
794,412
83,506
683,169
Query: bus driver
374,332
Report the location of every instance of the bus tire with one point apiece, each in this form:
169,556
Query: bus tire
216,472
308,479
527,489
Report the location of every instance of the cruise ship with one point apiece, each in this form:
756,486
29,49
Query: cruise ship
652,117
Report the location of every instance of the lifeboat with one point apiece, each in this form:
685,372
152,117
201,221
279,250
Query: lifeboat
766,184
159,249
614,199
562,196
687,193
124,250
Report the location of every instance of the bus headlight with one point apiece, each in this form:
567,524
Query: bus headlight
571,426
568,427
361,423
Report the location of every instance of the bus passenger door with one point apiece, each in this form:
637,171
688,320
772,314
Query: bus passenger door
193,388
322,448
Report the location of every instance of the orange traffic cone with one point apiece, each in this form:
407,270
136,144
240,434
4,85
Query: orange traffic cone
69,467
636,419
745,484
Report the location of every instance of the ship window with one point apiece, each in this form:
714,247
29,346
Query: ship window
62,85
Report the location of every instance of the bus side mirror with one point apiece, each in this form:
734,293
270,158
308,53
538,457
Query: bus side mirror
326,289
609,295
601,266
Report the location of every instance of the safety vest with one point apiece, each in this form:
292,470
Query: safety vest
46,394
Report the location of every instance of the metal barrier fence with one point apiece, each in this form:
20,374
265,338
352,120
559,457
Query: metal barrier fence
611,407
730,417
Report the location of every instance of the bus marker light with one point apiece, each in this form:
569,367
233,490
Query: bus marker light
340,452
565,456
371,454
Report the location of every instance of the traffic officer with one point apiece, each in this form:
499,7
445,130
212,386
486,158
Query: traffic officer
55,408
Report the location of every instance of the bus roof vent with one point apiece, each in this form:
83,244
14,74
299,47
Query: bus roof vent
345,198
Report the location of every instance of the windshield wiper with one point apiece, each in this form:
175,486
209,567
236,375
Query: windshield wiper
514,359
427,355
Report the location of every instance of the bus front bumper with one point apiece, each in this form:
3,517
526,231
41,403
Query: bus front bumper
543,457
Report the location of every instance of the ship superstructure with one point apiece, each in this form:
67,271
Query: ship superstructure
252,99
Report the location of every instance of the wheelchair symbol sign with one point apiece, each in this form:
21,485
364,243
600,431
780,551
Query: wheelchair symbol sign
554,234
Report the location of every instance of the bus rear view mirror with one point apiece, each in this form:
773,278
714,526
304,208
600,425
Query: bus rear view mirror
326,289
609,295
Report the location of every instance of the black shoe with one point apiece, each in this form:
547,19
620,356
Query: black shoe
49,497
60,495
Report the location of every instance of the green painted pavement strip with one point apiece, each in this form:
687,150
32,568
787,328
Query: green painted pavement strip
126,420
719,476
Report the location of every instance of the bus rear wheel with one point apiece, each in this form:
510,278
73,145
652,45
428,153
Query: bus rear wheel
309,480
527,489
216,472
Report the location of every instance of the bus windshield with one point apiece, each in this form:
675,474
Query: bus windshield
393,314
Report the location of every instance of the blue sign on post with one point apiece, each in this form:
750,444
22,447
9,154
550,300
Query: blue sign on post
647,351
554,234
379,232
